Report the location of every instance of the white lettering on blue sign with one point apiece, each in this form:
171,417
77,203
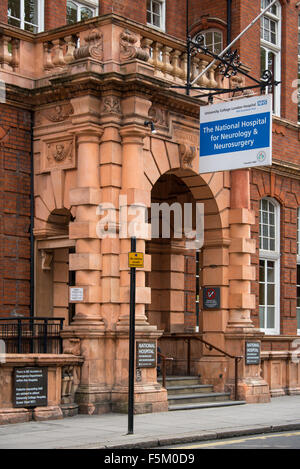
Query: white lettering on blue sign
236,135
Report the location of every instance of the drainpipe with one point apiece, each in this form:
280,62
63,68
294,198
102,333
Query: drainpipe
31,218
229,2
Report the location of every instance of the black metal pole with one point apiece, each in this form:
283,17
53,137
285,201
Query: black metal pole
32,285
131,343
197,290
229,21
188,44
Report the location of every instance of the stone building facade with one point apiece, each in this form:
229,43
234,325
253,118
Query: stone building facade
81,79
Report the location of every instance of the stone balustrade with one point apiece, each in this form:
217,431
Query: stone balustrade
170,63
9,52
44,54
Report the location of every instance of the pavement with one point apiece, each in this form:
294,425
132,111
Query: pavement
109,431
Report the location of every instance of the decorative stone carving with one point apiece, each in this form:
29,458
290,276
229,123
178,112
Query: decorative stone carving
58,153
111,104
60,113
93,47
72,346
187,154
129,48
61,151
158,115
69,385
47,257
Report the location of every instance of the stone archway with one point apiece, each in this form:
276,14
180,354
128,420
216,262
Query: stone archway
53,276
172,307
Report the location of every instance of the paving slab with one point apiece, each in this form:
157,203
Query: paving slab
153,430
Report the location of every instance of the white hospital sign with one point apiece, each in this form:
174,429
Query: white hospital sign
236,134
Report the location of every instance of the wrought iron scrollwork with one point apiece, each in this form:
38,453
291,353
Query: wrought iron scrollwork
231,64
267,77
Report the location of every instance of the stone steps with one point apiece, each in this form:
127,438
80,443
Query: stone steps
186,392
206,405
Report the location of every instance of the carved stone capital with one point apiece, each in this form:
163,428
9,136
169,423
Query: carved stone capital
111,105
187,154
93,47
59,113
129,48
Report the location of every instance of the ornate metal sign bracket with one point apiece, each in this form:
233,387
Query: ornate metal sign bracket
229,65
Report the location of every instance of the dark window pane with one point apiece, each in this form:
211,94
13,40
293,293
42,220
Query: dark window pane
71,13
14,9
271,295
86,13
271,318
14,22
31,11
261,294
262,317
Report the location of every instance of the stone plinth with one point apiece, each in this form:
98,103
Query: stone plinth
54,364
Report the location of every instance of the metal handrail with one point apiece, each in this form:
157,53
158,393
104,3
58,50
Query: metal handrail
164,359
188,337
236,360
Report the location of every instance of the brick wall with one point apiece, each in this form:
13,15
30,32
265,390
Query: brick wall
55,13
132,10
3,11
287,192
14,210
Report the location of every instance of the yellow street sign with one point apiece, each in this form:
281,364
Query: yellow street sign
136,259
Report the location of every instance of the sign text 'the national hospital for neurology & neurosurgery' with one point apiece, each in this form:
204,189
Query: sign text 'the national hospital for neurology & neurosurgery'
236,134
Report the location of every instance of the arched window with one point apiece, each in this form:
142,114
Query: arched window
26,14
80,11
270,51
213,40
269,266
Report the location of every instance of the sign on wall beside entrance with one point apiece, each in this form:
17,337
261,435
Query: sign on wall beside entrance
252,353
30,387
211,298
76,294
145,354
236,134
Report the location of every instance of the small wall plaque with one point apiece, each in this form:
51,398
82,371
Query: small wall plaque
30,387
252,353
211,298
145,354
76,294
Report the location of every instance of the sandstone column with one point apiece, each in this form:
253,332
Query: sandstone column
92,395
134,199
240,328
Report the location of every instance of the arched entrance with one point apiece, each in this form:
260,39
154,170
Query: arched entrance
173,273
53,273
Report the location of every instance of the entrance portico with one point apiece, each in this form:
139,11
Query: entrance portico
96,163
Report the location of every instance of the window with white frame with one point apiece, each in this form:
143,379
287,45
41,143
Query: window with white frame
80,11
298,272
213,40
156,13
269,266
270,41
26,14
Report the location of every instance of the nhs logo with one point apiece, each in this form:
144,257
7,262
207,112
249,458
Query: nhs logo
262,102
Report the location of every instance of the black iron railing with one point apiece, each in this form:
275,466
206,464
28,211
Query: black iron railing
188,338
31,335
